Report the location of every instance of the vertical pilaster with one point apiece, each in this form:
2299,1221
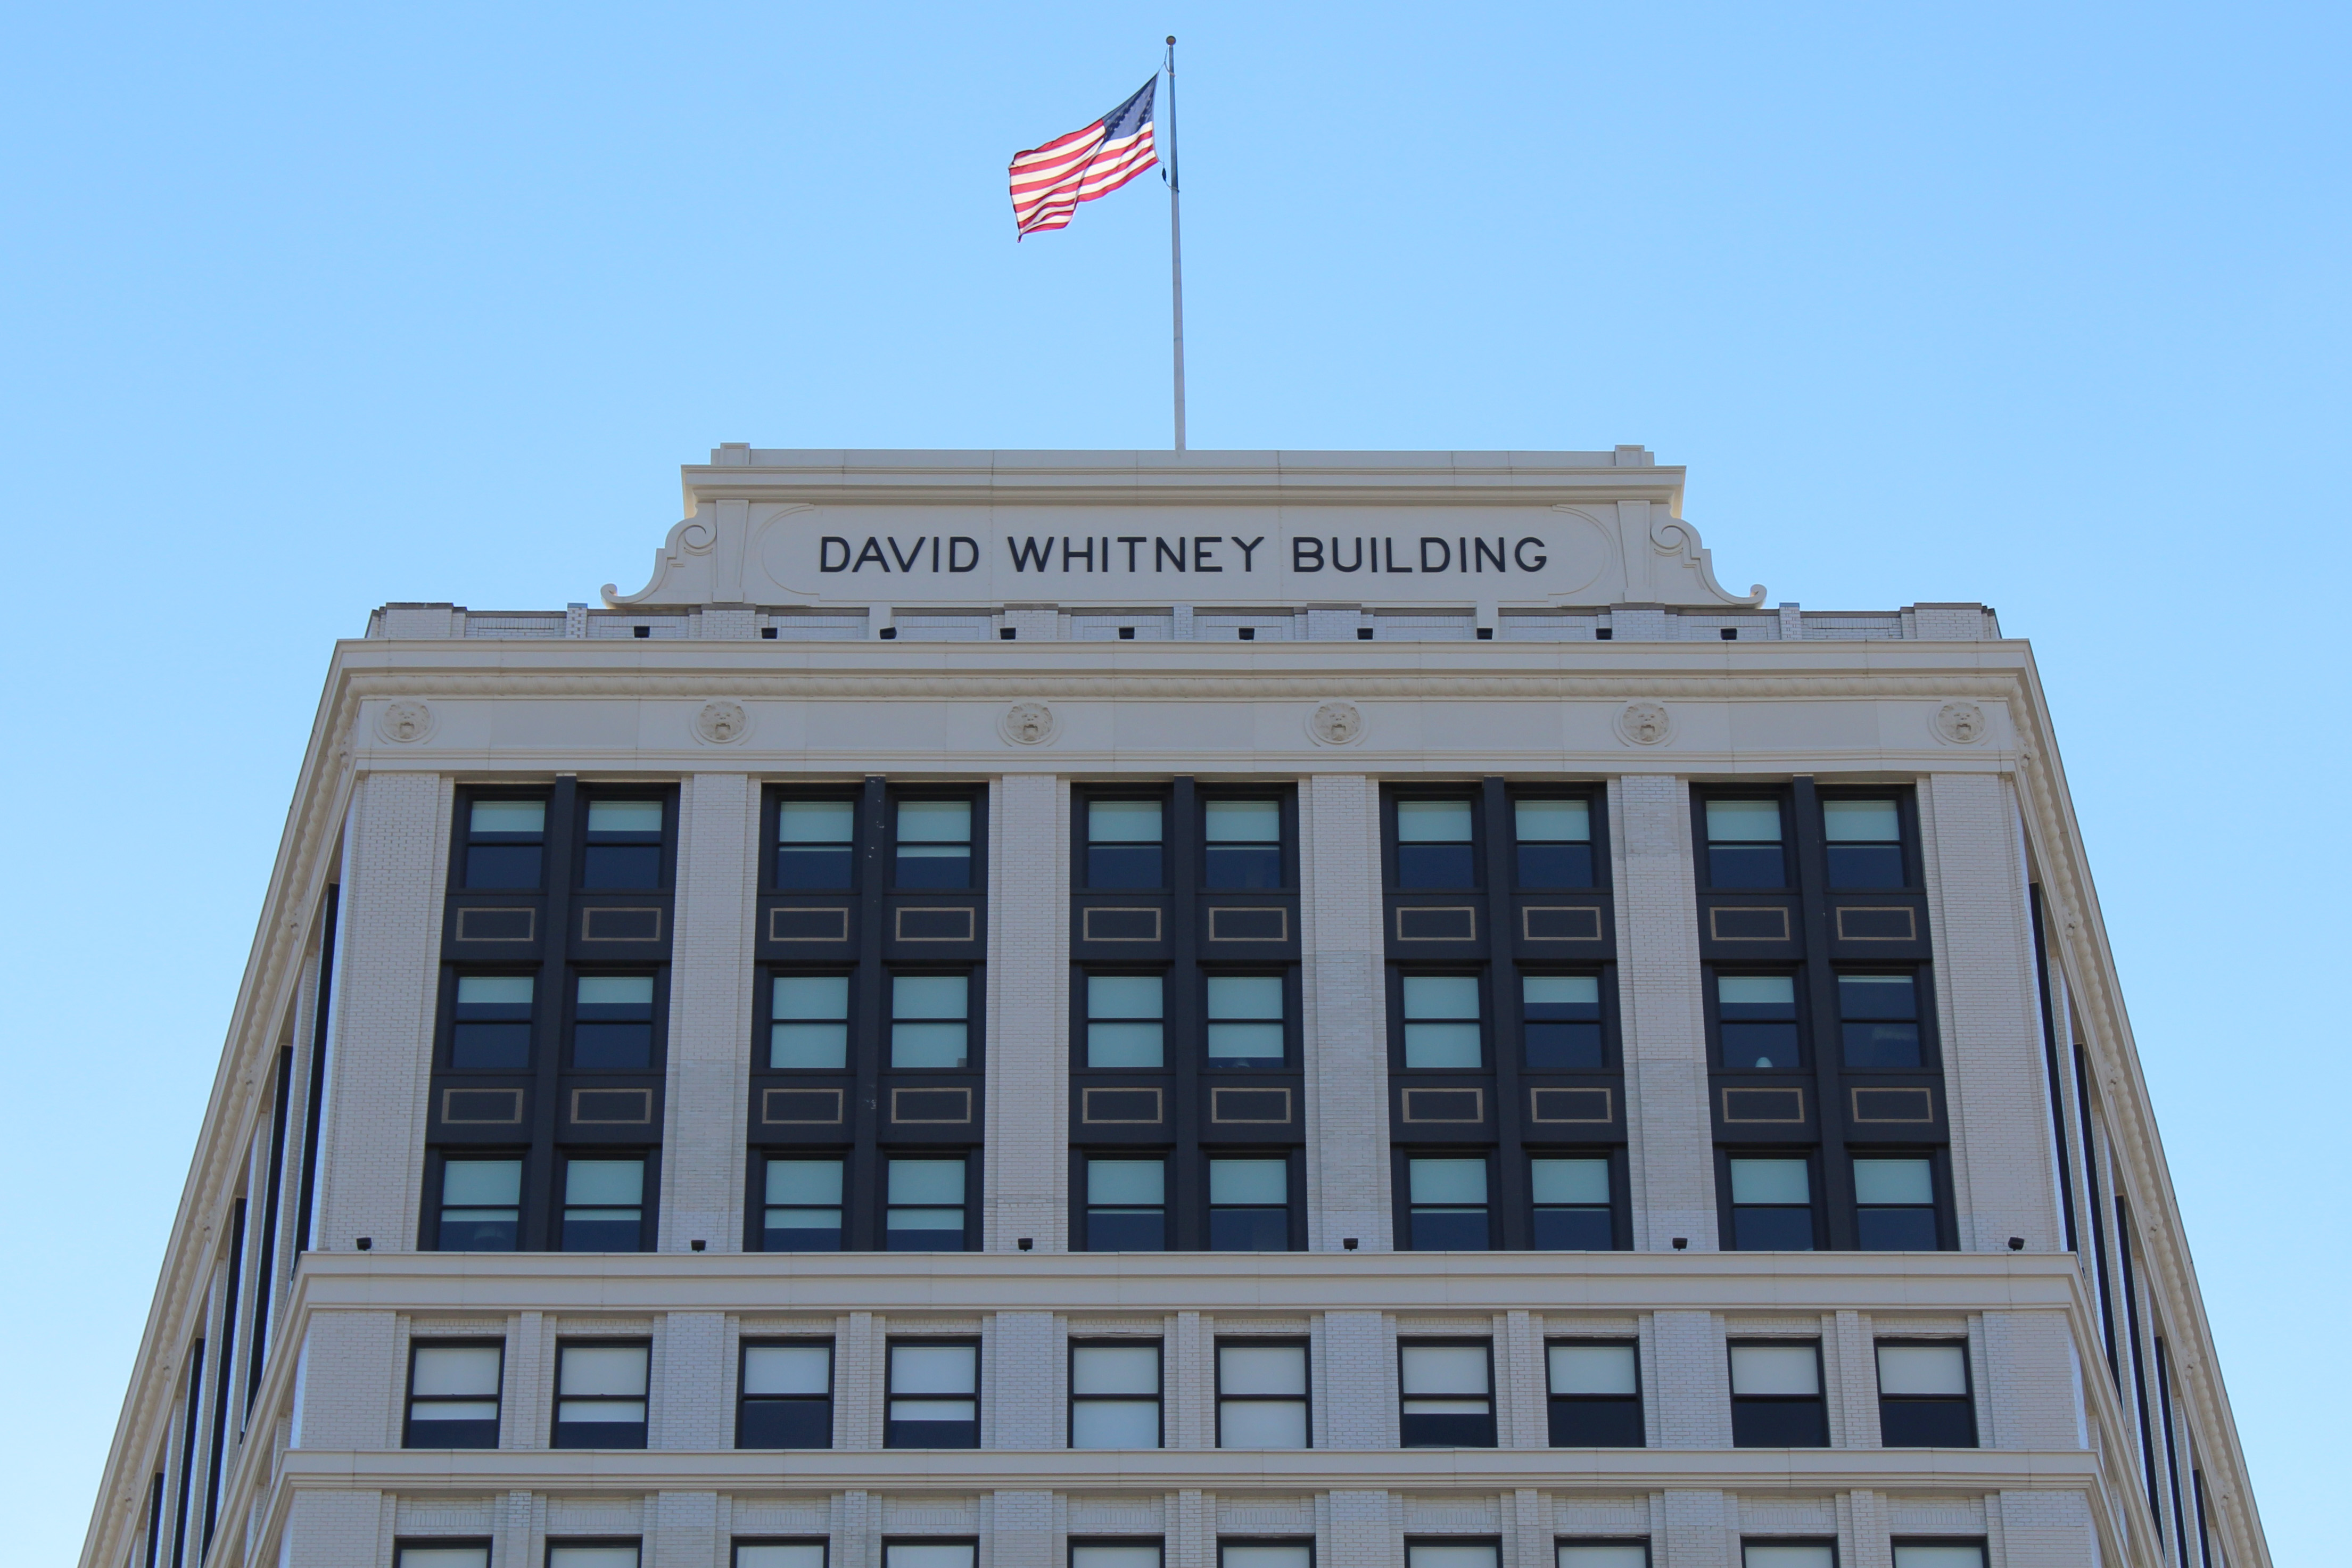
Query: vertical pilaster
351,1382
689,1407
1362,1535
338,1527
1190,1386
1521,1383
1664,1024
1347,1016
686,1530
1359,1382
709,1015
1699,1531
1027,1157
1694,1381
1024,1532
2047,1528
1024,1371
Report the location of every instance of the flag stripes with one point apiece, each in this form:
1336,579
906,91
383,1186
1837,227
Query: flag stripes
1049,182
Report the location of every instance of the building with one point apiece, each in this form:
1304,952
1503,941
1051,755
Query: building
1213,1010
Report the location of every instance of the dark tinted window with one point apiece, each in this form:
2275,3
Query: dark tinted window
481,1204
1561,1018
613,1022
1249,1205
787,1396
491,1031
934,844
1596,1395
1127,1204
1244,844
1434,845
1772,1204
816,841
1878,1020
603,1205
503,839
1756,1020
1554,843
802,1208
1447,1200
1894,1203
1124,845
1865,843
1776,1395
1744,845
625,846
1573,1212
1923,1395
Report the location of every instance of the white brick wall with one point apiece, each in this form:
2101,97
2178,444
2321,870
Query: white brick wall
711,1009
1028,1095
1346,1058
1671,1147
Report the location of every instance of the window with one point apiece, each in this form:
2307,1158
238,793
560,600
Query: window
1249,1205
1772,1204
934,844
503,840
925,1211
604,1206
929,1553
1442,1022
1560,1017
1788,1555
1434,845
441,1555
1447,1394
1895,1204
1554,843
613,1022
1243,845
1261,1395
625,846
1123,843
934,1396
1756,1021
1447,1206
1743,845
1124,1020
1573,1212
491,1031
600,1395
453,1394
1878,1021
928,1021
1266,1555
779,1554
1127,1204
802,1213
1115,1395
786,1395
1246,1021
808,1023
1865,843
1776,1395
1452,1554
1923,1395
481,1204
817,845
592,1553
1113,1554
1603,1554
1940,1554
1596,1394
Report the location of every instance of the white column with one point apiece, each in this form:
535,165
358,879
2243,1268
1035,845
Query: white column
710,981
1026,1160
1663,1021
1345,1023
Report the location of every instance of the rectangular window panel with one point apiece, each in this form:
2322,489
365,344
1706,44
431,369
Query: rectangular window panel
625,848
481,1202
1115,1395
1865,843
562,1555
1244,849
934,1396
1878,1021
1573,1212
780,1554
929,1024
1788,1555
1264,1554
613,1022
604,1206
1448,1396
1895,1204
1448,1204
1099,1554
1452,1554
1605,1554
600,1395
928,1554
1123,843
786,1399
1596,1395
1743,845
1772,1204
925,1211
1246,1023
1560,1017
1941,1554
1434,845
1776,1395
503,841
1124,1016
934,844
442,1557
491,1031
816,844
1262,1396
809,1023
1756,1019
1554,842
1249,1205
1923,1397
453,1395
1442,1028
1127,1204
802,1212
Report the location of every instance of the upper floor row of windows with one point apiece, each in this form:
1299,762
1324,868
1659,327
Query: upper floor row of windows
1129,840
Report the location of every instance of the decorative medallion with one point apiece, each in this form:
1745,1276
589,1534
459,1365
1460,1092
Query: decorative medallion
722,723
1960,723
1336,724
1644,724
404,722
1027,725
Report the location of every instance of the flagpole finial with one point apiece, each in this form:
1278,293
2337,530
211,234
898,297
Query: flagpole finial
1172,38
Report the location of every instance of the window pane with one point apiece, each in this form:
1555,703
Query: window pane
811,997
1560,990
1554,821
1121,822
1877,996
788,1554
1245,996
1126,995
1923,1370
817,822
469,1182
1263,1556
787,1369
1115,1369
1743,821
445,1557
1246,1043
1262,1424
494,990
1433,821
1440,996
1262,1369
1454,1046
1128,1044
1448,1180
1771,1182
928,1046
604,1181
1763,1556
617,990
805,1182
1244,821
1249,1181
604,1369
1775,991
926,1182
1861,822
508,817
1141,1182
1570,1181
929,995
1467,1554
934,1369
1939,1557
1115,1557
1612,1554
808,1047
591,1556
934,821
456,1370
1791,1369
1894,1182
927,1555
1592,1369
1442,1369
625,816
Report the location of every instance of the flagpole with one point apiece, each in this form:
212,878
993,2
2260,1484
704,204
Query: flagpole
1175,242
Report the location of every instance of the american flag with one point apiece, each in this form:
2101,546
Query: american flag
1049,182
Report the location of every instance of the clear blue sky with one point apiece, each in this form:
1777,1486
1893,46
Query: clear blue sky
308,308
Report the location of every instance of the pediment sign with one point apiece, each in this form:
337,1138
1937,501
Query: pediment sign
1179,551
